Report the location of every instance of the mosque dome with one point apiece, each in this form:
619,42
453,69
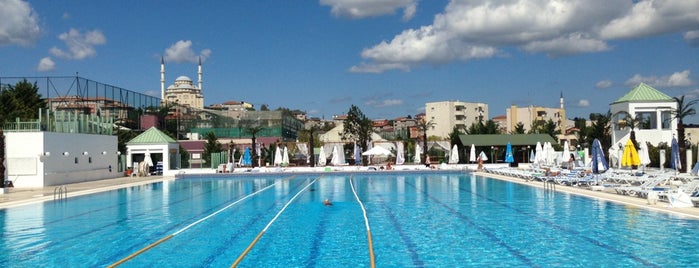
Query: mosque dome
183,79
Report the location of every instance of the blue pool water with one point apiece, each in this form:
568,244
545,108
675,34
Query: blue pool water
416,219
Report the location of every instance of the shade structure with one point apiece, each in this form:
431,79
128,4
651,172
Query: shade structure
454,155
630,156
322,158
483,156
285,157
357,154
277,156
247,157
675,162
472,154
416,158
599,164
400,159
509,157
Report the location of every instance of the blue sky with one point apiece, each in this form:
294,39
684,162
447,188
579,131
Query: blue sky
388,57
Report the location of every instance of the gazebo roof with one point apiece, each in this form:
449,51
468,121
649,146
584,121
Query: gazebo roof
152,136
644,93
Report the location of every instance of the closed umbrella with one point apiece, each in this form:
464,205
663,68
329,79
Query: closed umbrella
483,156
357,154
675,155
416,160
454,156
400,159
539,155
644,155
247,157
285,157
630,156
599,164
472,154
566,153
509,158
321,157
277,156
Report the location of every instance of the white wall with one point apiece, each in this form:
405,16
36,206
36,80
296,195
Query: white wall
29,166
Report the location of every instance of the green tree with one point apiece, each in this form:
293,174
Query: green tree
519,129
21,101
212,146
358,127
683,110
253,127
423,125
600,129
489,127
264,107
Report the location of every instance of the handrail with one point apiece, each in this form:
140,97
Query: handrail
60,192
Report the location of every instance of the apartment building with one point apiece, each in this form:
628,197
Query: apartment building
446,115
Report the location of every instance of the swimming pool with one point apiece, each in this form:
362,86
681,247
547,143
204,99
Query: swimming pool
433,219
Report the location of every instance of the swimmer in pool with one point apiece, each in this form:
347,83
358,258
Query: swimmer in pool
327,202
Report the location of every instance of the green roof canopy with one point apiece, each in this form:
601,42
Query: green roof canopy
644,93
152,136
503,139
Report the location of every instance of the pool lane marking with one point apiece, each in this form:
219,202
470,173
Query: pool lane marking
366,223
133,255
259,235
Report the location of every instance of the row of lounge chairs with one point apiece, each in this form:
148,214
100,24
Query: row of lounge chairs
654,184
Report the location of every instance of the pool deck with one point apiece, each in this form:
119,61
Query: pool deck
17,197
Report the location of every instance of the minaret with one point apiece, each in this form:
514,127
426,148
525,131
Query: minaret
162,79
199,73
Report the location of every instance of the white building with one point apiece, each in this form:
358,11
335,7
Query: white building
446,115
183,91
40,159
531,115
653,107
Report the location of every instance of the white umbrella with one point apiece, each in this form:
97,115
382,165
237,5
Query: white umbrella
643,154
483,156
321,157
400,159
613,158
566,153
357,154
277,156
416,159
148,160
454,156
539,153
378,150
338,158
472,155
285,157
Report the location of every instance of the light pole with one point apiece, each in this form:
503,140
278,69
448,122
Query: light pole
491,154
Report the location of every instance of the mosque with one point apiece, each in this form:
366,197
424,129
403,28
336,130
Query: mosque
183,91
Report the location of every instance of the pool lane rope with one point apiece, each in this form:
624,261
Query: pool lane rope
259,235
366,223
133,255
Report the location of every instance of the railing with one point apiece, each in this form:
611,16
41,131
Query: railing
60,193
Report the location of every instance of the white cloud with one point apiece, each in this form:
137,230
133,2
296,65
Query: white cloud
583,103
46,64
357,9
384,103
692,38
20,23
483,28
692,94
678,79
80,45
181,51
604,84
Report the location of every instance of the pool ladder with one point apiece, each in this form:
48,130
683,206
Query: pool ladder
550,185
60,192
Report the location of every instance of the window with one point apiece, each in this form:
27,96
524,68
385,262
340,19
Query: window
666,117
646,120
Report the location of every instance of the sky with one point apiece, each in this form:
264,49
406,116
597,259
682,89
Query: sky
387,57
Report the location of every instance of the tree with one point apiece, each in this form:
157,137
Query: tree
311,131
683,110
212,146
423,125
454,136
490,127
632,123
519,128
600,129
21,101
358,127
264,107
252,128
